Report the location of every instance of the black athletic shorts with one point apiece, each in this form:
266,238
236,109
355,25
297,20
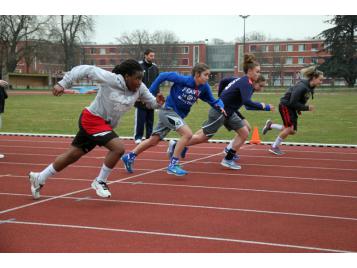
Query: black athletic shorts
93,131
289,116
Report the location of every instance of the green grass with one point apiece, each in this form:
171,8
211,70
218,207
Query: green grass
334,121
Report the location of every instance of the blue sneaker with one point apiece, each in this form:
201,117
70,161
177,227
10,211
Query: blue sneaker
184,151
230,164
171,148
128,163
176,170
236,157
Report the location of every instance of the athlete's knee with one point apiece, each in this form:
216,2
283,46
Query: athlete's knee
244,133
119,150
153,140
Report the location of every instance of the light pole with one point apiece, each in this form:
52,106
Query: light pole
244,17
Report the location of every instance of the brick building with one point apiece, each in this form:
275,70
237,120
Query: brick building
280,61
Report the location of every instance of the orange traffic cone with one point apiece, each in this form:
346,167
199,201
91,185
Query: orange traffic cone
255,137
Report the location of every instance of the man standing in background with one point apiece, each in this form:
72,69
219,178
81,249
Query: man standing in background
144,117
3,96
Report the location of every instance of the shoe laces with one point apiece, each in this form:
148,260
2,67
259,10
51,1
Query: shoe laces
104,185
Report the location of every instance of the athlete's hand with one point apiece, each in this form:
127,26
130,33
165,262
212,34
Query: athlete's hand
272,107
223,111
160,99
3,83
57,90
311,108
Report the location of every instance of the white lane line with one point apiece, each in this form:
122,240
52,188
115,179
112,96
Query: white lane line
225,188
202,154
257,211
259,176
196,148
89,188
77,199
176,235
185,162
7,221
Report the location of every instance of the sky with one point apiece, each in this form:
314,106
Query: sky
198,28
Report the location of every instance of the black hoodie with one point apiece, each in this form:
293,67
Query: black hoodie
297,96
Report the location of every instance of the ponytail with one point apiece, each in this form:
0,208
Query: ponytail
249,62
311,72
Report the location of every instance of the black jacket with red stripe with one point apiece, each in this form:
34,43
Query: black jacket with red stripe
297,96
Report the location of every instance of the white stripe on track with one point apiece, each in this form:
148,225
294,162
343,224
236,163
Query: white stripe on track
176,235
89,188
188,162
202,154
257,211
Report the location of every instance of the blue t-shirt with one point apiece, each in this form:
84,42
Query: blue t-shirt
237,93
184,92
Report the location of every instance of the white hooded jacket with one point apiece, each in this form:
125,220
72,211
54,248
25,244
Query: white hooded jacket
113,98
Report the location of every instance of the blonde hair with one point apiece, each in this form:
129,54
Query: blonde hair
249,62
311,72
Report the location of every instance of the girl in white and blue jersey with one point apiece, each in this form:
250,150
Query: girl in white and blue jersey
185,91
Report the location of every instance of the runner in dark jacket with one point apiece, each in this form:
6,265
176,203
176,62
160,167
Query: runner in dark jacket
292,104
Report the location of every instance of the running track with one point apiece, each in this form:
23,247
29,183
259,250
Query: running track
305,201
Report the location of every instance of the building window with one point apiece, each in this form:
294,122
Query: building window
301,60
184,61
93,50
112,50
102,51
290,48
289,60
253,48
102,62
112,62
315,47
93,62
314,60
184,50
276,48
196,55
288,79
301,47
264,48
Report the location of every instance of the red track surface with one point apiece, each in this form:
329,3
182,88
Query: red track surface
305,201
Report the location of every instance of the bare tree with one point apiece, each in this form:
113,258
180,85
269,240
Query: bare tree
14,32
163,37
135,43
70,31
162,42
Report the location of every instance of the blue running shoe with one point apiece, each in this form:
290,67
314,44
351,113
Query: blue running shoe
176,170
236,157
171,148
128,163
184,151
230,164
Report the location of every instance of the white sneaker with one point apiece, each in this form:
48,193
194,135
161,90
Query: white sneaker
35,185
230,164
138,141
101,188
2,156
